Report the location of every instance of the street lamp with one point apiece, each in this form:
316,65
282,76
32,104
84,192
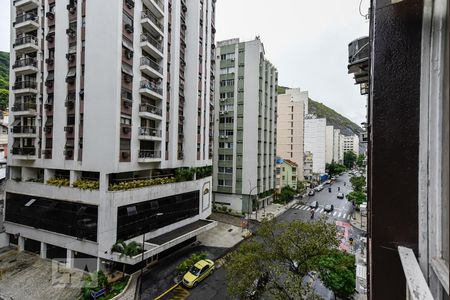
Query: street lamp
143,241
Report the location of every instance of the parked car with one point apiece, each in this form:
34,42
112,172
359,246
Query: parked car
198,272
329,208
340,195
311,193
318,188
314,204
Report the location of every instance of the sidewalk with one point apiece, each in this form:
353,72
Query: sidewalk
356,221
272,211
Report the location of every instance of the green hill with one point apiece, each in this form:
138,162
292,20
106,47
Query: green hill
4,79
346,126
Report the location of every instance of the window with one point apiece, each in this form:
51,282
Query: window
225,170
226,145
225,182
226,95
227,107
228,70
230,56
226,120
227,82
125,121
225,157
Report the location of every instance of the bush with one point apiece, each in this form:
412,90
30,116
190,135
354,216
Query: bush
286,195
140,183
87,184
59,182
358,197
192,260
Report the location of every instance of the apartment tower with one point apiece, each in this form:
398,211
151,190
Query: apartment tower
290,126
245,128
351,143
111,109
315,142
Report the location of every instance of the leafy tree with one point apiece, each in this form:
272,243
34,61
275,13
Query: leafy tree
358,197
131,249
94,282
358,183
338,273
301,186
192,260
335,168
284,253
349,159
287,194
360,160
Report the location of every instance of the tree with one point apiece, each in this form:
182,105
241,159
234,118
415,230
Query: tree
360,160
287,194
358,183
131,249
334,168
349,159
357,197
338,273
301,186
284,253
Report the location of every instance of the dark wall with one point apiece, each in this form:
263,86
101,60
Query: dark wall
394,142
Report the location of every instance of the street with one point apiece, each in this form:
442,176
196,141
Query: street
214,286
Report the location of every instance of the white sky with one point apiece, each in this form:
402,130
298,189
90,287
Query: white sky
306,40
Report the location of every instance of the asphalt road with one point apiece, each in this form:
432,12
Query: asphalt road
214,287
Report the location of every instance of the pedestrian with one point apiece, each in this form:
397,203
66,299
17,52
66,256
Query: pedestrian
339,188
345,183
312,214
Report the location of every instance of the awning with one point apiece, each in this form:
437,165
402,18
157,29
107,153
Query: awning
127,69
72,72
16,122
127,45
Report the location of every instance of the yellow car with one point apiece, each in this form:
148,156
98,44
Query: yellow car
198,272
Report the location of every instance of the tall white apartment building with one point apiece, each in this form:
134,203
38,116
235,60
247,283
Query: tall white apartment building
315,142
329,144
110,101
245,127
290,126
338,144
351,143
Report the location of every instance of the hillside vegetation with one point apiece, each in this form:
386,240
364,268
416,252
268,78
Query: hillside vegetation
4,79
335,119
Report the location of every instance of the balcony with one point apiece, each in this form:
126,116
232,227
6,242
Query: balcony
151,23
26,44
149,111
151,45
150,134
26,153
25,87
24,131
25,66
26,22
24,108
151,68
26,4
155,6
151,89
148,156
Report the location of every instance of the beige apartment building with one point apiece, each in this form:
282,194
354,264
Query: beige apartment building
292,107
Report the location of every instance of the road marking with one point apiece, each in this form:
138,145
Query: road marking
348,218
345,215
309,208
339,215
321,210
335,213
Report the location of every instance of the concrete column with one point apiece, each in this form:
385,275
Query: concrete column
74,176
98,264
104,181
43,250
28,173
48,173
70,259
21,243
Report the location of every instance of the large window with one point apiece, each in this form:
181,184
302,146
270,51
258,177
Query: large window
140,218
74,219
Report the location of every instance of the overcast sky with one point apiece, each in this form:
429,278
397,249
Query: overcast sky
305,39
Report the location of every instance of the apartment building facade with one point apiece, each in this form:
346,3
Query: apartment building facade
338,146
109,100
315,142
292,108
245,127
351,143
286,174
329,144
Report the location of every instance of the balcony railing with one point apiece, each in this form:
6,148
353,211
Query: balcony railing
149,15
25,62
24,129
145,61
24,151
23,106
25,17
416,285
148,131
27,84
149,154
28,39
148,38
150,109
146,84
